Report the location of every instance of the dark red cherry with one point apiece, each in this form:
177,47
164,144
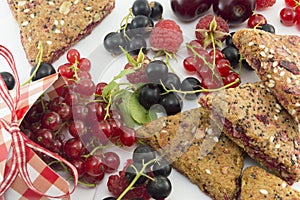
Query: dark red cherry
234,11
189,10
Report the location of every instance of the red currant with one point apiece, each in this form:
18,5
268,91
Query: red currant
94,166
189,64
298,21
196,45
128,136
211,83
218,55
287,16
77,128
66,70
231,78
256,20
223,66
84,64
44,137
291,3
51,121
73,148
99,88
73,55
79,164
86,87
111,161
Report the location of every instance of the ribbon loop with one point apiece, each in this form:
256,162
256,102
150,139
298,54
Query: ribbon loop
14,127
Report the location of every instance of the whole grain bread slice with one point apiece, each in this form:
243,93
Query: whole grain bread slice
251,116
276,59
257,183
197,149
56,24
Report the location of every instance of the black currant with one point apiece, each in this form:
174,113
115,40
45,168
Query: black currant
171,102
162,168
9,80
191,84
132,171
229,41
141,7
171,81
149,94
268,28
136,43
143,154
159,188
45,69
141,25
113,41
232,54
156,71
156,10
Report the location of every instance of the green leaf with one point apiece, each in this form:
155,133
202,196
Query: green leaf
213,25
122,104
141,56
109,88
138,113
130,59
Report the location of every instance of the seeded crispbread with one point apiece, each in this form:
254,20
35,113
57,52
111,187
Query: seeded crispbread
197,149
276,59
252,117
56,24
257,183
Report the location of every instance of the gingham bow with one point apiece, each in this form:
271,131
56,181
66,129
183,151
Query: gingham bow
19,141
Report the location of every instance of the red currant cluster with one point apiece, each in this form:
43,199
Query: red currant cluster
212,68
290,15
144,176
77,124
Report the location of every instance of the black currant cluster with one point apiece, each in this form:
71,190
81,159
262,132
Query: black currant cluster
164,87
135,27
147,173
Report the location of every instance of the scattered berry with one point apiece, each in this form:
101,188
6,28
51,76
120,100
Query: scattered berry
166,36
211,30
256,20
8,79
287,16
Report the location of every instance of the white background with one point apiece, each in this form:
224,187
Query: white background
9,37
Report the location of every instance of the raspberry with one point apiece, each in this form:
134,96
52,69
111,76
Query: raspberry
116,184
262,4
139,76
166,36
214,26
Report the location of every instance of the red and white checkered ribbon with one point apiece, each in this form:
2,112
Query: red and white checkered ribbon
20,141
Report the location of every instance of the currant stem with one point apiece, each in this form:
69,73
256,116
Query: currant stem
137,176
201,90
38,61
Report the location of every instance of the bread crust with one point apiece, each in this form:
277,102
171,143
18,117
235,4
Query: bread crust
56,24
276,59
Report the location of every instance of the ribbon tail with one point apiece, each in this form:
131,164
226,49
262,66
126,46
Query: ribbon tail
10,177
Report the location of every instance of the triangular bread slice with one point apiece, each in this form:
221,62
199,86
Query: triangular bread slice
257,183
56,24
197,149
251,116
276,59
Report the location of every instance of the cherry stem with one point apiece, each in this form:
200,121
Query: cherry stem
38,61
137,176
